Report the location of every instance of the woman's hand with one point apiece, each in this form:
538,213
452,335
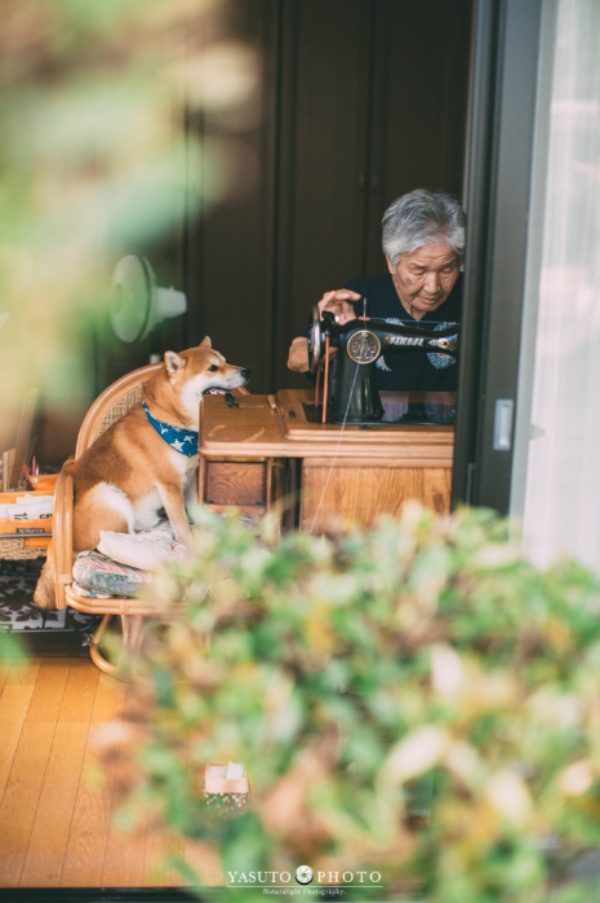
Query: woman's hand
338,303
298,355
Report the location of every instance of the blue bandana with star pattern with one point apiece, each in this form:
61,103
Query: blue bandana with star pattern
182,440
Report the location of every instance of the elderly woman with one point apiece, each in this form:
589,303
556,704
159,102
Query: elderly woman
423,237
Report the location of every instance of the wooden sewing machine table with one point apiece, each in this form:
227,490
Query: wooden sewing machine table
267,451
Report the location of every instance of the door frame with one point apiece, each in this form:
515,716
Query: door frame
498,168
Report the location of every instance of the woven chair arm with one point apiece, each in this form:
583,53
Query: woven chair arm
62,535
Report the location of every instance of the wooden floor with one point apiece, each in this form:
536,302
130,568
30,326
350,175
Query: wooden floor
55,823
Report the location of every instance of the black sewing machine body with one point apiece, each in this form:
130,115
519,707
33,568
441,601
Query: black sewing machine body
354,397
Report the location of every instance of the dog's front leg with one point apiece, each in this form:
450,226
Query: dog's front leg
172,499
191,494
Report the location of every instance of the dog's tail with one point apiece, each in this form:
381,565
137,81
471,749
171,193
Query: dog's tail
44,595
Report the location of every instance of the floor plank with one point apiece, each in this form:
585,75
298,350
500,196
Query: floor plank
80,692
49,690
124,860
43,863
56,826
21,797
109,700
83,864
22,673
14,704
158,872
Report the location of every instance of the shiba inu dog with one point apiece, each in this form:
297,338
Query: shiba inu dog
145,462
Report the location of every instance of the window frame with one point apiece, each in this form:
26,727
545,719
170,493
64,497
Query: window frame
498,170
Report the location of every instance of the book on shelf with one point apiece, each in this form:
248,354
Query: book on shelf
28,513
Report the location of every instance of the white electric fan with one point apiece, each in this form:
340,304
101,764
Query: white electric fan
137,303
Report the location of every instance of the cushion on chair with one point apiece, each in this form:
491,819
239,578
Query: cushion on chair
99,575
148,549
122,563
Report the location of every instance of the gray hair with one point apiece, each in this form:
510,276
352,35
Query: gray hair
419,218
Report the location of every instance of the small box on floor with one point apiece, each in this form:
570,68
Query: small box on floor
226,787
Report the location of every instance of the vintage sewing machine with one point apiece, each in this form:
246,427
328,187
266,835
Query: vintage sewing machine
270,449
350,394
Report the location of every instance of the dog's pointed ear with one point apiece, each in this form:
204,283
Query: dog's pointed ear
206,342
173,362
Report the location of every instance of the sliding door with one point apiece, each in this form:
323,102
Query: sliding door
556,476
528,432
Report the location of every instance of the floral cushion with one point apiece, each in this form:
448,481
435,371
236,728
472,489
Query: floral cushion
98,575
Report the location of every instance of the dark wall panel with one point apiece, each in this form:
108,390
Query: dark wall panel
419,104
323,157
229,246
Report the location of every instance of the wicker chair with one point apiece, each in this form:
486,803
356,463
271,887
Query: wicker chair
110,405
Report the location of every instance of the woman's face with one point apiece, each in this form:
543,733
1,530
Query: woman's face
424,278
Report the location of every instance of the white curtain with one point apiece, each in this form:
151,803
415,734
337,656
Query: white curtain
556,486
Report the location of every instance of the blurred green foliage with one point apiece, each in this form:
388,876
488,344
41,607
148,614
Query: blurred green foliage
415,699
12,650
97,161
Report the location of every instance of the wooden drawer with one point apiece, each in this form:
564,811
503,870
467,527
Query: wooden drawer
236,483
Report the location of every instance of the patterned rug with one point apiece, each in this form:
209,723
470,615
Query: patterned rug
17,610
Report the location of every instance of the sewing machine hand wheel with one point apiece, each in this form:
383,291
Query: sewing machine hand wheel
316,341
